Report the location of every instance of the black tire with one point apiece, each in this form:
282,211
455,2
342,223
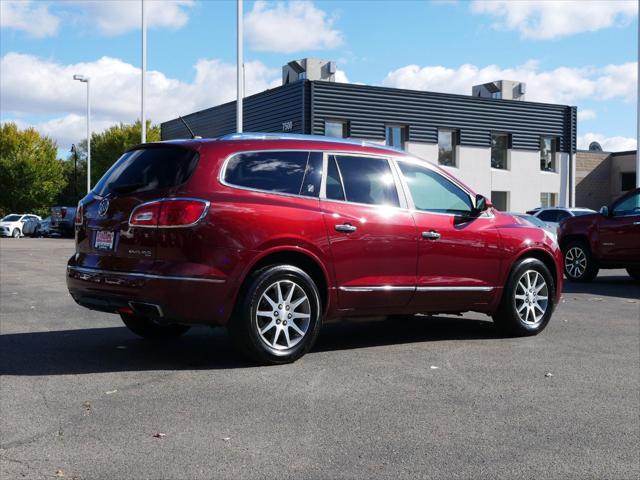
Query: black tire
507,318
147,328
579,264
15,233
273,346
634,273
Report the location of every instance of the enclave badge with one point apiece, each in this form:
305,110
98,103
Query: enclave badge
103,207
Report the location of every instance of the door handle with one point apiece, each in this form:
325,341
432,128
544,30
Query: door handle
346,227
431,235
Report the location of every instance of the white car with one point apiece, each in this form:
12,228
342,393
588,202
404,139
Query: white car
552,216
11,225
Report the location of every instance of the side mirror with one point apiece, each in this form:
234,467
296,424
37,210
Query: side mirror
604,211
482,203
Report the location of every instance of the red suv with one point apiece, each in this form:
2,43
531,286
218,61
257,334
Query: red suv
274,235
609,239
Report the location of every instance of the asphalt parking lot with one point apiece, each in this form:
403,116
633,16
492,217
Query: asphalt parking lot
441,397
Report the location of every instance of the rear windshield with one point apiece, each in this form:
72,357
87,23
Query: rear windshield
148,169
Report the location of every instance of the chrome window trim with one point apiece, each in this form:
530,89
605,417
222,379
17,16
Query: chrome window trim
326,152
207,204
143,275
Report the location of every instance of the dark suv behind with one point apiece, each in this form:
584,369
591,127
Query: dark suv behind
272,236
608,239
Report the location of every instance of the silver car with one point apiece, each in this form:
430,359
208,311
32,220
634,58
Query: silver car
552,216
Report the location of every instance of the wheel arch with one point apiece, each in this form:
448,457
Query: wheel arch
298,258
574,237
546,258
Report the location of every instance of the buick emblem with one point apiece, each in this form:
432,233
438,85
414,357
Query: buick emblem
103,207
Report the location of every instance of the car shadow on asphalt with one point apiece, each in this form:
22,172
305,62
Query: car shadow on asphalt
606,286
115,349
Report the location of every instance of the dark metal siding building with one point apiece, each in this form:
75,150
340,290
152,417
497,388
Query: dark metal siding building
303,107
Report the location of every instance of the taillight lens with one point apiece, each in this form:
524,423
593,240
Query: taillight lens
79,214
169,213
63,212
145,215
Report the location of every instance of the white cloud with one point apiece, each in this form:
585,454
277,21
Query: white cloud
586,114
609,144
34,19
560,85
31,85
114,17
341,76
291,27
543,19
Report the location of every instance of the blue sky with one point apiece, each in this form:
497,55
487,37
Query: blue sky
577,53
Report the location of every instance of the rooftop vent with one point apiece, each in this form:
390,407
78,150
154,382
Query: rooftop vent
309,69
501,90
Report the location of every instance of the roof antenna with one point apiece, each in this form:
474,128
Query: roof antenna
193,135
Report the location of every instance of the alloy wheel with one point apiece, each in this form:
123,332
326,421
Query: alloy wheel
575,262
531,297
283,315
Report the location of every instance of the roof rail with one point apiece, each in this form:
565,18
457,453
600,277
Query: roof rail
297,136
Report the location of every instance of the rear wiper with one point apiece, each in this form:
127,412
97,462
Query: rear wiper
125,187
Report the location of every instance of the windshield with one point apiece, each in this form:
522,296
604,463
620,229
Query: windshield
579,213
11,218
148,169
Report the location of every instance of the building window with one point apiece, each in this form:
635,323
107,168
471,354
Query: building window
336,128
447,141
500,200
499,146
548,199
627,181
548,154
496,95
396,136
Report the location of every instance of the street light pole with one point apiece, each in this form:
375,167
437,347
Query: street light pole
239,70
87,80
143,117
74,150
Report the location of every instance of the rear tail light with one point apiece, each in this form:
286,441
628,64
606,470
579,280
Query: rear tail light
63,212
169,212
79,214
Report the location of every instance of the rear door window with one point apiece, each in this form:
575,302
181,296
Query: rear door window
148,169
367,180
296,173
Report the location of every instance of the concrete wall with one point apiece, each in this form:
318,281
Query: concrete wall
523,180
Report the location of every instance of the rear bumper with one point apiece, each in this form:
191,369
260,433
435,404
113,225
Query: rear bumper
193,300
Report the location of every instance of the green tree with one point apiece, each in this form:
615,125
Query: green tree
31,176
109,145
